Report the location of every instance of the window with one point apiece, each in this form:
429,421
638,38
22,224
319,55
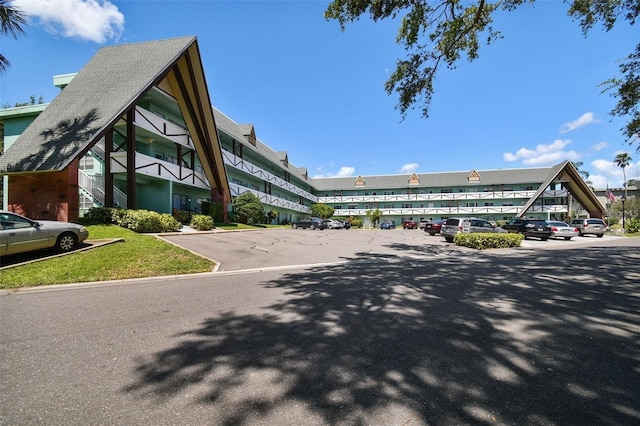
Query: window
86,163
352,207
488,204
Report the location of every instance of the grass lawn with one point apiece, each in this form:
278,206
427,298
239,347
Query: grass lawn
137,256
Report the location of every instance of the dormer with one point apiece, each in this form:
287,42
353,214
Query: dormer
283,157
473,176
359,181
414,180
249,133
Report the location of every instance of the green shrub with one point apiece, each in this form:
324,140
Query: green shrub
169,223
482,241
182,216
356,222
99,215
202,222
215,210
633,225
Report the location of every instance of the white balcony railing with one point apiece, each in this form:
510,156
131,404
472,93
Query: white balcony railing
264,175
151,166
454,210
161,127
269,199
453,196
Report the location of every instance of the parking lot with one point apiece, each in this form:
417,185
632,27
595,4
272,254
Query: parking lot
277,248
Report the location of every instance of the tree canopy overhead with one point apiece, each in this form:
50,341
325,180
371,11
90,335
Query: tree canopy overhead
437,33
12,19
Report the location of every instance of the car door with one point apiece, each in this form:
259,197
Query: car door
21,235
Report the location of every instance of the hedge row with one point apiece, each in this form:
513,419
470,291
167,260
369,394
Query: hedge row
482,240
136,220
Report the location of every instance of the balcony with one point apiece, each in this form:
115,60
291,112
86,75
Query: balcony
253,170
150,166
452,196
455,210
269,199
161,128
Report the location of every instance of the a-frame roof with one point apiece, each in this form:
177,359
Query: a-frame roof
107,87
570,177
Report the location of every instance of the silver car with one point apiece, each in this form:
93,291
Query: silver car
562,230
456,225
19,234
590,226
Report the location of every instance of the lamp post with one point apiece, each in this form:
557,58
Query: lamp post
623,199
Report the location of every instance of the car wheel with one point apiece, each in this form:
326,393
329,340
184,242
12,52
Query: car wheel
600,235
432,233
66,242
449,239
544,239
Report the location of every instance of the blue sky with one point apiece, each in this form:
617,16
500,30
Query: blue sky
532,99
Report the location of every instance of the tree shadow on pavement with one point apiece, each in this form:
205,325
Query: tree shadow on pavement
538,337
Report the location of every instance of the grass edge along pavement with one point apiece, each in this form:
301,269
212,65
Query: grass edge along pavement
133,256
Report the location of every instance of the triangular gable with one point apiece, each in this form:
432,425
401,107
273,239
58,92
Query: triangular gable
107,87
249,132
474,176
414,179
359,181
567,173
283,157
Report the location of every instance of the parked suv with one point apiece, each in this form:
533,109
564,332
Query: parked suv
456,225
590,226
537,228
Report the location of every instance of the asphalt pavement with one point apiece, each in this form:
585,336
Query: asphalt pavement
336,328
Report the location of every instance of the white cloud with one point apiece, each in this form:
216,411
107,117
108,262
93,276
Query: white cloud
543,154
409,168
94,20
343,172
583,120
608,173
599,146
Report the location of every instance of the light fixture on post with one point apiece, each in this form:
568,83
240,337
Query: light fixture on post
623,199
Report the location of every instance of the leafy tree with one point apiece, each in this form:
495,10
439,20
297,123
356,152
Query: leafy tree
11,21
622,160
374,215
322,211
437,33
248,208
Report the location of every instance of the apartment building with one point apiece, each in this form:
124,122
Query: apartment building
135,128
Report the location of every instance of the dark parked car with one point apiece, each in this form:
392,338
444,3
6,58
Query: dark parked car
433,228
310,223
536,228
387,225
19,234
